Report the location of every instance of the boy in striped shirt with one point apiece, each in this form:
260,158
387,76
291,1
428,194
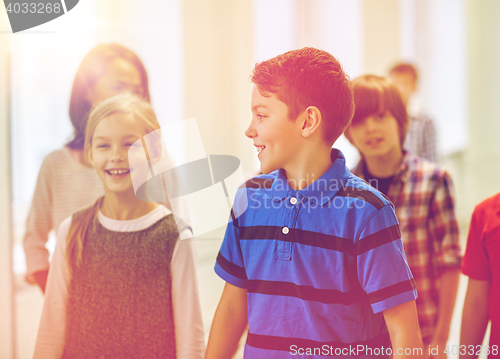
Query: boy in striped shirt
312,259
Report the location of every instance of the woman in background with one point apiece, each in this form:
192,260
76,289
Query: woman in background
66,182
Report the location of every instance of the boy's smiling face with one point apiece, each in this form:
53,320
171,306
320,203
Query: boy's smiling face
377,135
274,135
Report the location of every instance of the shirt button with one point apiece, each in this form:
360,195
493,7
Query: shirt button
293,200
285,230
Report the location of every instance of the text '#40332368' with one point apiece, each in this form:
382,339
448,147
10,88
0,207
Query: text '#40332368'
26,14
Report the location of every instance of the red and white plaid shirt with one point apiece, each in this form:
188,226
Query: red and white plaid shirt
422,194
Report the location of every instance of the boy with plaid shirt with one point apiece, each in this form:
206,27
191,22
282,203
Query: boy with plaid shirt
422,195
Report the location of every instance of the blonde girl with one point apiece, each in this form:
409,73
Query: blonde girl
66,182
121,284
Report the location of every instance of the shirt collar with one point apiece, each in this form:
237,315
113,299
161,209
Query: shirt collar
402,174
320,191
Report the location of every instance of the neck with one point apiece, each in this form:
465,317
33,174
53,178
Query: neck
386,165
311,165
125,206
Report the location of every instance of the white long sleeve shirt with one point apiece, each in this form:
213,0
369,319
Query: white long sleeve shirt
188,324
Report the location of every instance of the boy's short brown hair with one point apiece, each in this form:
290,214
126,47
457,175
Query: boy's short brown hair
374,94
309,77
404,68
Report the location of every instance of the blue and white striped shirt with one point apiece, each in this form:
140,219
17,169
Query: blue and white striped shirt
319,264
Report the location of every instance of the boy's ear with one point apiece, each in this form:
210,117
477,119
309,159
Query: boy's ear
311,121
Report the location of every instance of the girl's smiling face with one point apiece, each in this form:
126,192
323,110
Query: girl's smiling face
111,141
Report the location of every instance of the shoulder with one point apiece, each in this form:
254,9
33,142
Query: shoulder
254,189
263,181
62,232
62,159
163,221
57,162
369,214
52,161
58,156
255,186
360,190
488,205
64,226
426,170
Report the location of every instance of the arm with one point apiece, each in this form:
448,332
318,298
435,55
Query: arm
189,338
50,338
385,276
444,236
447,294
475,314
402,323
229,322
38,226
477,266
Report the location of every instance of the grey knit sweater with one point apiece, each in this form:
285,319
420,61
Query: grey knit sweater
119,300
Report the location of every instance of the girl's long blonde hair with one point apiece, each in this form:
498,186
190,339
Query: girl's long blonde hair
125,104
